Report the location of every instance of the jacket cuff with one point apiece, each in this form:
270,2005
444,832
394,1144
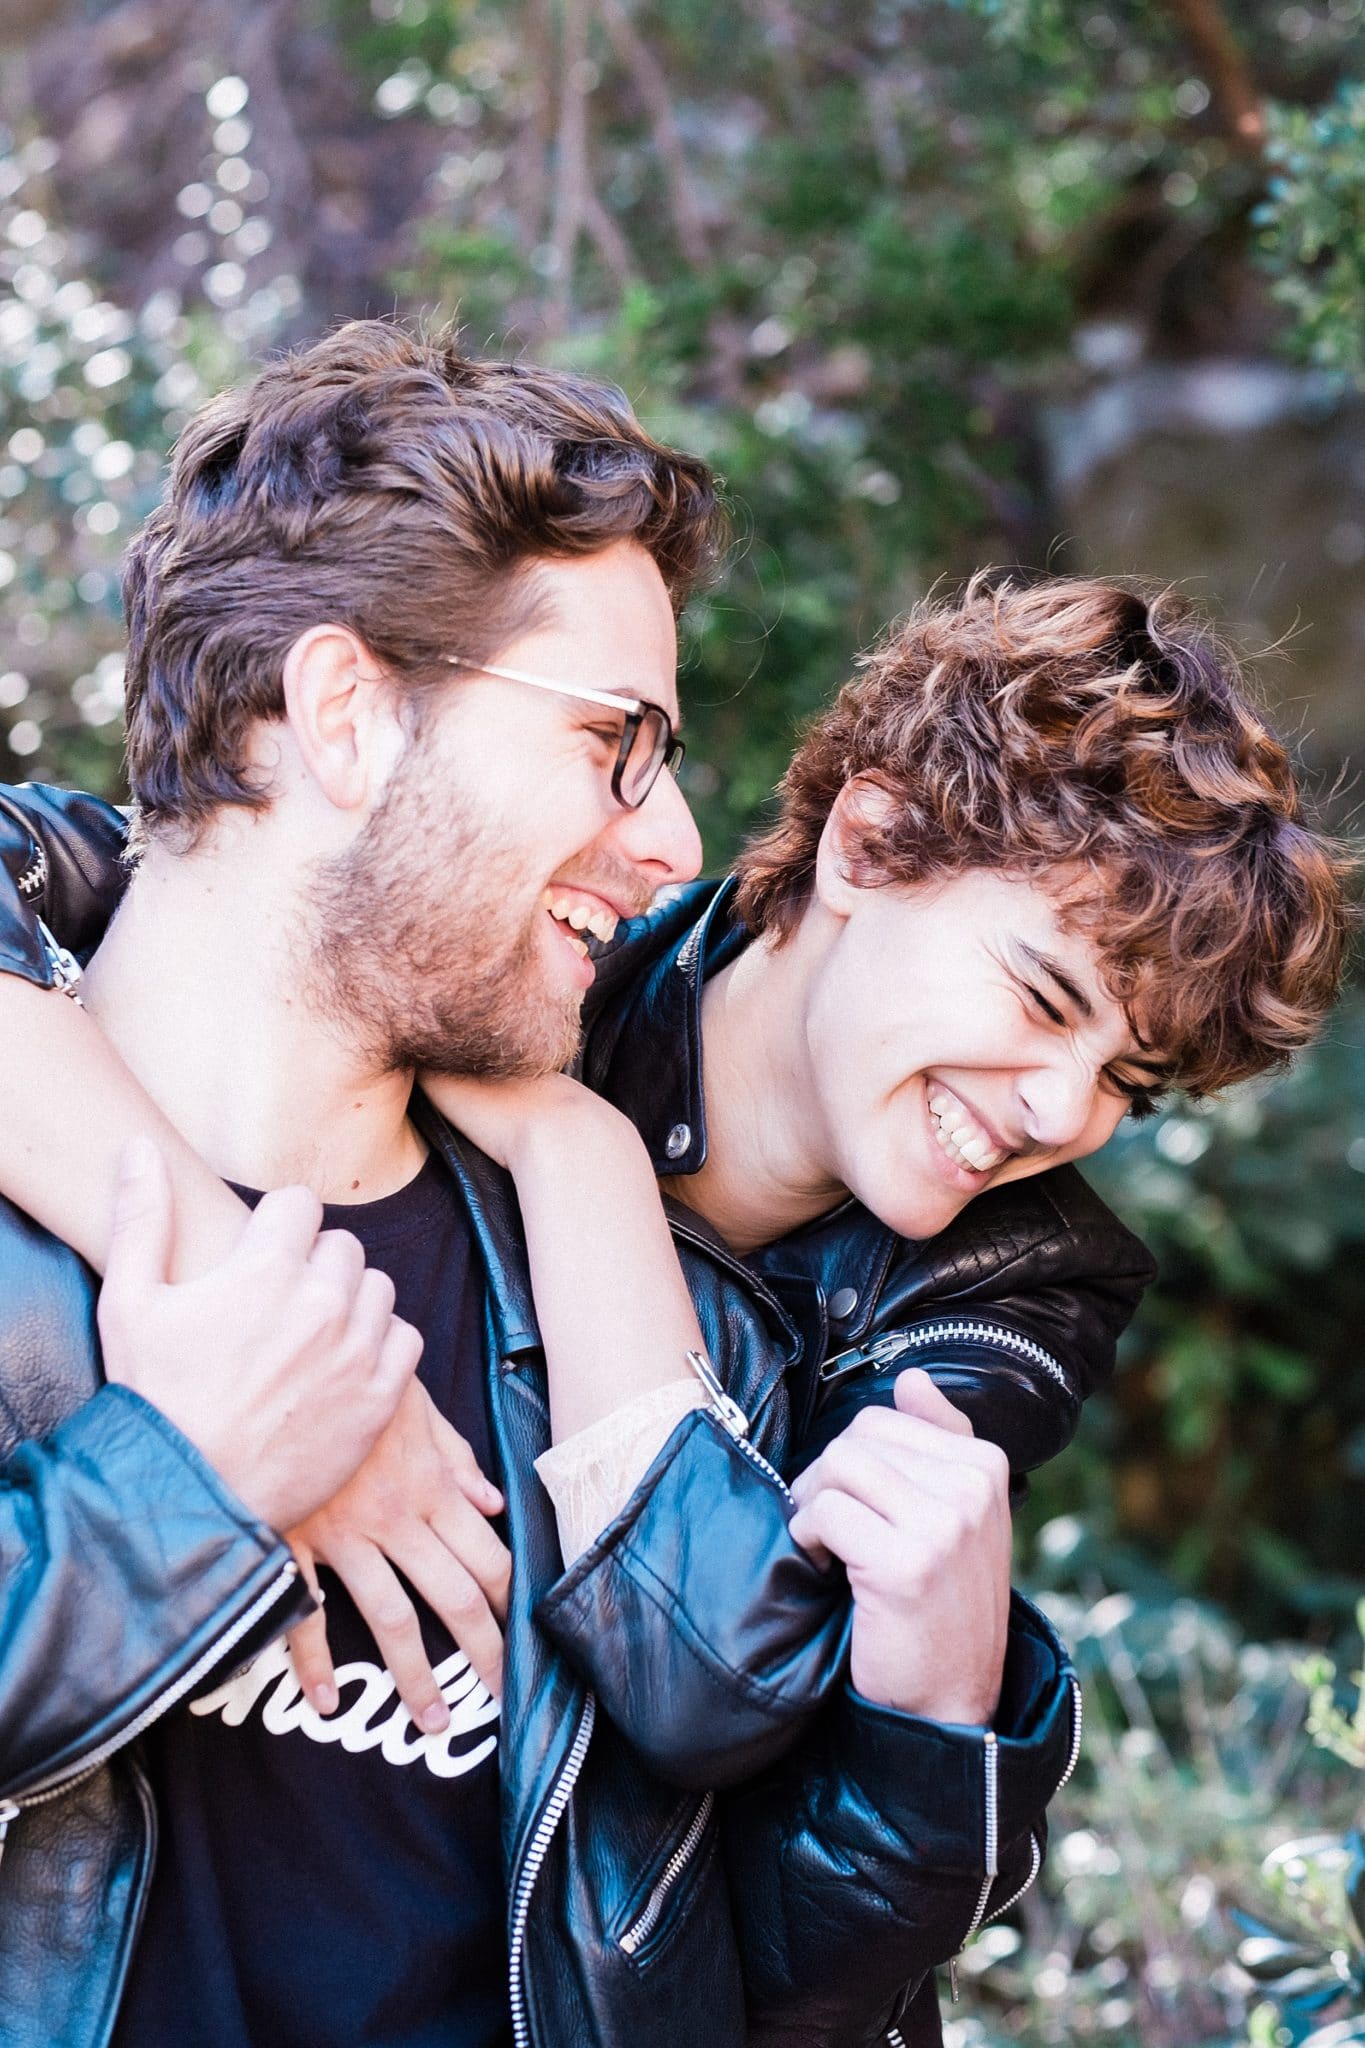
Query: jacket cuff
928,1780
136,1576
708,1634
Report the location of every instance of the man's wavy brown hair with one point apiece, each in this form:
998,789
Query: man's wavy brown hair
384,481
1079,729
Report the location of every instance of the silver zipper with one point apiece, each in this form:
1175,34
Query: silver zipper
677,1863
732,1418
992,1826
34,878
1076,1727
1034,1868
992,1844
895,2038
881,1352
66,969
535,1857
63,1781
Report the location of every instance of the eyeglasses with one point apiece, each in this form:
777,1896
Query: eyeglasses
648,742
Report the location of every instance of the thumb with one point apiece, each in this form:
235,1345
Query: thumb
140,1233
917,1395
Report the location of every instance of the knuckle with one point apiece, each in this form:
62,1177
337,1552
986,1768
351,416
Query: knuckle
394,1616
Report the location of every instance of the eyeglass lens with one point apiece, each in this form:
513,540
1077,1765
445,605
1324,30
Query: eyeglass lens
649,744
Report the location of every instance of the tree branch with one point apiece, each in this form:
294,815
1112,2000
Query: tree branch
571,170
1229,75
647,74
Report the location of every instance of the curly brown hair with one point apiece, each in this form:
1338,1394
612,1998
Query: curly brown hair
383,481
1080,728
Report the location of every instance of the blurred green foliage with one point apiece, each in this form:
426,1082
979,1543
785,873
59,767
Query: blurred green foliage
1313,227
1233,1442
1196,1861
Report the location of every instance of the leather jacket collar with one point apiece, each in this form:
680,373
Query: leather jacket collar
643,1044
643,1052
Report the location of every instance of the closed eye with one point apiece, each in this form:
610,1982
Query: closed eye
1049,1010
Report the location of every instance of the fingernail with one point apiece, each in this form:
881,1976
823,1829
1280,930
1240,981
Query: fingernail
324,1698
435,1718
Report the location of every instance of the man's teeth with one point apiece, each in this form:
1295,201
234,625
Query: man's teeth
581,917
961,1138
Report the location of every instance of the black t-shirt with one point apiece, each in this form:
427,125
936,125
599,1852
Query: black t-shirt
338,1883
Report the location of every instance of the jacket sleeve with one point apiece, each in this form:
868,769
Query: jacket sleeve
129,1575
871,1853
708,1635
128,1569
1015,1312
61,862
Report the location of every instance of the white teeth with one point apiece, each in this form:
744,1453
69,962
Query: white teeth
581,917
579,946
960,1138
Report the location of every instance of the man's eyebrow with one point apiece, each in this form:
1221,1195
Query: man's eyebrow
1057,974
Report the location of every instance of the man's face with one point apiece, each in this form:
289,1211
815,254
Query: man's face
449,935
960,1036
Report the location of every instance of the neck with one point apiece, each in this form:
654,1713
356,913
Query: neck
763,1174
198,985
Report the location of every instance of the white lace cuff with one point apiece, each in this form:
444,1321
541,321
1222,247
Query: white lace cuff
592,1474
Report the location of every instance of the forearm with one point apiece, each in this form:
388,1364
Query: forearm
68,1105
615,1315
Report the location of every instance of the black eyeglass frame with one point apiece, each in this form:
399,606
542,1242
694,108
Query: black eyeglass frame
666,751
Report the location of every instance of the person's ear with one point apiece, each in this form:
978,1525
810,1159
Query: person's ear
343,715
859,813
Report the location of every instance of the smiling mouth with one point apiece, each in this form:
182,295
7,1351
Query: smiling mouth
581,919
966,1142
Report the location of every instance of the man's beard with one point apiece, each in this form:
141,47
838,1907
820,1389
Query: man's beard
419,957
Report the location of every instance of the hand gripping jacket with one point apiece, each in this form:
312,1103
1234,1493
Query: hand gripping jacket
776,1858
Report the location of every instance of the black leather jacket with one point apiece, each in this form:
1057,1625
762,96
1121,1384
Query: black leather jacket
804,1904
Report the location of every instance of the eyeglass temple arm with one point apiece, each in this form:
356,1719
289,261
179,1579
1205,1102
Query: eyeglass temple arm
516,675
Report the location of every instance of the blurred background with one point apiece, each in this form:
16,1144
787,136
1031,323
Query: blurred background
935,284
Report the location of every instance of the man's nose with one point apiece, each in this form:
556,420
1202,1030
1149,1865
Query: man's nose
661,837
1057,1102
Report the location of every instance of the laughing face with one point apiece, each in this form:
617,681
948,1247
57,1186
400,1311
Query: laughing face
452,934
958,1035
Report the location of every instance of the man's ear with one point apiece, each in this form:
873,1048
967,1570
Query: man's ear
858,813
342,714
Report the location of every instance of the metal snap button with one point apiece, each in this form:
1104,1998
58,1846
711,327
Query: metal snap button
678,1140
843,1303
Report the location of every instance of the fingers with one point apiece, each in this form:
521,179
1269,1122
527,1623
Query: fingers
282,1226
140,1239
392,1619
916,1394
898,1436
463,1466
470,1606
903,1490
834,1524
313,1663
466,1534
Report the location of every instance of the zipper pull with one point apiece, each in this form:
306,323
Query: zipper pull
880,1353
66,968
952,1979
9,1812
727,1411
